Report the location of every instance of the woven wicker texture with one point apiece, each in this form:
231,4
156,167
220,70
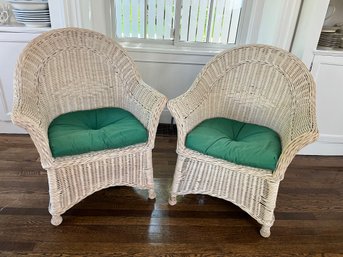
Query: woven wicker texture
74,69
256,84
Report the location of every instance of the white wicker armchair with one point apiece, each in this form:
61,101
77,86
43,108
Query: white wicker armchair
256,84
72,69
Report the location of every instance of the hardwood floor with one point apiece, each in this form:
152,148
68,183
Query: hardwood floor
121,221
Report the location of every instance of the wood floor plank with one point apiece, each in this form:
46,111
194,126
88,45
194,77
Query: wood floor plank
122,221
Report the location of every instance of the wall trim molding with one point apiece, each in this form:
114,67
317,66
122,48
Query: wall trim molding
332,139
169,58
65,13
57,13
323,148
73,16
287,24
4,103
309,26
169,62
278,23
7,127
252,26
165,116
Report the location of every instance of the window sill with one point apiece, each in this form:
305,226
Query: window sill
172,49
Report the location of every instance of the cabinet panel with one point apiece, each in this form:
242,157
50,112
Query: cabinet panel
11,45
9,53
327,71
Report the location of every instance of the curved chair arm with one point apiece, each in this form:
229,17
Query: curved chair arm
38,131
27,114
291,149
187,111
302,131
146,104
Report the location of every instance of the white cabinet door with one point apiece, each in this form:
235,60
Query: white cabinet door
11,45
328,74
9,52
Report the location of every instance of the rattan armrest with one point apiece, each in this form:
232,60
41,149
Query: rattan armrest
38,132
187,113
290,150
146,104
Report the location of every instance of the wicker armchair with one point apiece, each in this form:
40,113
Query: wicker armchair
67,70
255,84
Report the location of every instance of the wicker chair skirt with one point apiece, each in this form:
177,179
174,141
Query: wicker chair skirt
69,185
253,194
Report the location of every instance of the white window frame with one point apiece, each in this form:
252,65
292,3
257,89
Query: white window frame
243,29
254,27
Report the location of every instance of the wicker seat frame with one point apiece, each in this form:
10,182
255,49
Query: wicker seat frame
73,69
257,84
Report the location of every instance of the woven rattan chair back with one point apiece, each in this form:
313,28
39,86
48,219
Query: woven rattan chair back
73,70
260,85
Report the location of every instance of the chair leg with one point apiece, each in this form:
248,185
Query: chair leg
56,220
176,180
265,231
172,200
152,194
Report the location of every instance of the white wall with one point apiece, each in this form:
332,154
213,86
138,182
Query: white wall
269,24
170,73
278,22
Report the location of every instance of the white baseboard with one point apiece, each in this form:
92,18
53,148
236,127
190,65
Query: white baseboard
7,127
323,148
165,117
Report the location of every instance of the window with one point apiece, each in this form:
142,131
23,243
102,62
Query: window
178,21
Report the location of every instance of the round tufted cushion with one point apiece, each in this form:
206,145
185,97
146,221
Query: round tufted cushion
238,142
94,130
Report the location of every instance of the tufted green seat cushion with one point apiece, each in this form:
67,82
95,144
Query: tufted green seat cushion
238,142
94,130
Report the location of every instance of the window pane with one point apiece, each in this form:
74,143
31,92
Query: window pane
225,19
236,13
161,15
130,18
169,19
207,21
155,18
194,20
214,21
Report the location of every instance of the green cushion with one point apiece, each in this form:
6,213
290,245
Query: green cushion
238,142
94,130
